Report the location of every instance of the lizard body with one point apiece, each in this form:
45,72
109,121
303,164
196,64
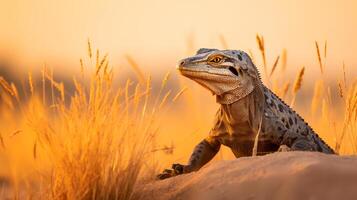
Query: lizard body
246,108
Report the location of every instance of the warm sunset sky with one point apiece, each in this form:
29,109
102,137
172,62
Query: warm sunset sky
36,31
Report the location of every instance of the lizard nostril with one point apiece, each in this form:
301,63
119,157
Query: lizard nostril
182,63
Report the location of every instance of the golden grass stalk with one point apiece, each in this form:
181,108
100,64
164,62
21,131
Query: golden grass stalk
79,90
325,111
223,41
16,94
97,57
276,88
166,149
256,139
58,86
285,90
82,65
139,73
340,90
325,50
274,66
101,63
165,80
283,60
43,71
6,100
260,41
297,85
2,141
350,120
15,133
179,94
344,75
319,56
315,102
190,43
329,96
163,84
34,150
298,80
146,99
12,91
52,89
325,54
89,46
106,66
6,86
251,55
164,99
31,83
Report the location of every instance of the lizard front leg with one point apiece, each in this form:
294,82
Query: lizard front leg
298,145
284,148
202,154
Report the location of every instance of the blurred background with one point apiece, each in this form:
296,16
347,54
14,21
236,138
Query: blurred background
156,34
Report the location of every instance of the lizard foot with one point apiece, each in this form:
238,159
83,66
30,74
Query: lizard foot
177,169
284,148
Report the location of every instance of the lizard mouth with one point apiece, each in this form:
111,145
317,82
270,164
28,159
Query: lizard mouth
233,70
193,71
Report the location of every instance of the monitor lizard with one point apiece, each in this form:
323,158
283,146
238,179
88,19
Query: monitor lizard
247,107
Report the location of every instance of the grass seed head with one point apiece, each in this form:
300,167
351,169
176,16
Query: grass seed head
319,56
298,80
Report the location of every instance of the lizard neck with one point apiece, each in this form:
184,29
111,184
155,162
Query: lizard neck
239,93
235,95
251,99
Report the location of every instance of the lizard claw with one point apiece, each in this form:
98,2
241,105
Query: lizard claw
284,148
177,169
167,173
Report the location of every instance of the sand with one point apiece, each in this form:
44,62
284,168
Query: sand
291,175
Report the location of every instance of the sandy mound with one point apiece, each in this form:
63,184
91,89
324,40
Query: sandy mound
293,175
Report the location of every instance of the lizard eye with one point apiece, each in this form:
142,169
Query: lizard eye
216,59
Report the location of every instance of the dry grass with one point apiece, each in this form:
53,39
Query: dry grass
274,66
316,97
94,145
261,45
297,85
319,56
283,60
350,120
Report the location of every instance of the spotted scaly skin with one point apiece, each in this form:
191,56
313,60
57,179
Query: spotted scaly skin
246,106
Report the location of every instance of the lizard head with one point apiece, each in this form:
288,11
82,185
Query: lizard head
221,71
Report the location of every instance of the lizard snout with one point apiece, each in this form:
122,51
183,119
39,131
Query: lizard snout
181,63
